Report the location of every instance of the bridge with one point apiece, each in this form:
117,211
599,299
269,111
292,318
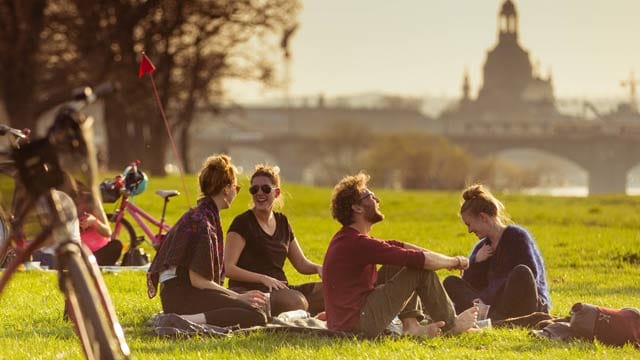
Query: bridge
606,150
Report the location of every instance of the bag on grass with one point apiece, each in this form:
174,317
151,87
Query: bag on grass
609,326
135,257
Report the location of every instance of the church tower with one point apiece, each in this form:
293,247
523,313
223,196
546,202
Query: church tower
507,70
512,89
508,23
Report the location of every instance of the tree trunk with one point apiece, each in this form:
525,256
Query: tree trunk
24,22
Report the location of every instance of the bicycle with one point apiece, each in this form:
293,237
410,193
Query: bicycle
7,167
43,169
124,187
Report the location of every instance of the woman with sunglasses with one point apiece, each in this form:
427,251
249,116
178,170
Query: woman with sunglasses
189,263
258,243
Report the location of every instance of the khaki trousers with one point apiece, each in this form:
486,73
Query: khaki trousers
405,293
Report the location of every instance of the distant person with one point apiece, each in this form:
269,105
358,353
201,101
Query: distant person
95,232
506,269
189,263
258,243
406,283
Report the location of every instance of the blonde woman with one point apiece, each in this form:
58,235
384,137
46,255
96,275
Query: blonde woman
506,269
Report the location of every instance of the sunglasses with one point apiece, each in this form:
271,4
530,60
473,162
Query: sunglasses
265,189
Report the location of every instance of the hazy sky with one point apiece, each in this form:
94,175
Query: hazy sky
422,47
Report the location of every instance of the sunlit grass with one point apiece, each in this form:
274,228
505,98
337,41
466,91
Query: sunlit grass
591,247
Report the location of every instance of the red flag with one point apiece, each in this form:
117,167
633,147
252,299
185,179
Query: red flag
145,66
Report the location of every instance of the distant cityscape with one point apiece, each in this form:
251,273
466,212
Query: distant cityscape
429,105
513,114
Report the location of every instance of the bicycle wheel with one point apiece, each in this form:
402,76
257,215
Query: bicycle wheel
88,309
4,238
127,234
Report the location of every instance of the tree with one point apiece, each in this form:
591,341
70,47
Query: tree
417,161
340,151
194,44
21,23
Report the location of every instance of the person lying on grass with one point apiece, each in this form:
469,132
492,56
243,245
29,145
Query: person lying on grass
258,243
360,299
189,263
506,269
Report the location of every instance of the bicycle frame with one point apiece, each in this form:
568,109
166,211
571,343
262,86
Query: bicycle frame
140,216
66,249
8,168
50,170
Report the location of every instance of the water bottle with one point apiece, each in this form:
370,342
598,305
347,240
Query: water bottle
293,315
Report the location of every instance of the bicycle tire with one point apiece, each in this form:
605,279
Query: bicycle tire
4,238
127,233
91,315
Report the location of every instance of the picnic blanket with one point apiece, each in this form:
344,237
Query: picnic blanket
172,325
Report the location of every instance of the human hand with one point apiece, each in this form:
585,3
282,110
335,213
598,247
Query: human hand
321,316
485,252
254,298
462,263
272,284
87,220
319,270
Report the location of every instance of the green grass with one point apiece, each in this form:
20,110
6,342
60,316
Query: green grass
591,248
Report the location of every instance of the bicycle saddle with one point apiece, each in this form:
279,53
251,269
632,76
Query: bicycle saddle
167,193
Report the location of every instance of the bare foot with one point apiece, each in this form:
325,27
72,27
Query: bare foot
435,329
465,321
431,330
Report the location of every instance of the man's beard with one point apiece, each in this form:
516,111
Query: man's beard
373,215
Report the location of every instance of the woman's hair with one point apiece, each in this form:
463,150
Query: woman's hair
273,174
346,194
216,173
477,199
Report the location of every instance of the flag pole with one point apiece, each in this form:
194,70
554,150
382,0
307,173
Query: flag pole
147,67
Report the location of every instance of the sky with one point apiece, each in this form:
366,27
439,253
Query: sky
422,47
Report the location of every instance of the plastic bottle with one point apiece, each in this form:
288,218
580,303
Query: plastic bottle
293,315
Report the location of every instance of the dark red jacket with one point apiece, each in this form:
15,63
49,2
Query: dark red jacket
349,273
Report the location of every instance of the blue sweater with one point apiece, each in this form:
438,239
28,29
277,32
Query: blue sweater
516,247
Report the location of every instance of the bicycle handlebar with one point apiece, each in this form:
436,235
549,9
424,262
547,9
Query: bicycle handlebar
86,95
21,134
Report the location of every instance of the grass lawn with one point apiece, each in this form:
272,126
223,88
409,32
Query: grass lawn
591,247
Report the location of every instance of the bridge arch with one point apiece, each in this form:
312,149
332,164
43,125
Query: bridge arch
633,180
555,170
607,159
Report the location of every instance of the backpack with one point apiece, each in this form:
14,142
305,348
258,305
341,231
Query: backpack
609,326
135,257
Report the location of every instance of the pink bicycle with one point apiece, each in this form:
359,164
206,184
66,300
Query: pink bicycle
124,187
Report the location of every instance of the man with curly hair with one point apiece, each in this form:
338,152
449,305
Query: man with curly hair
361,299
